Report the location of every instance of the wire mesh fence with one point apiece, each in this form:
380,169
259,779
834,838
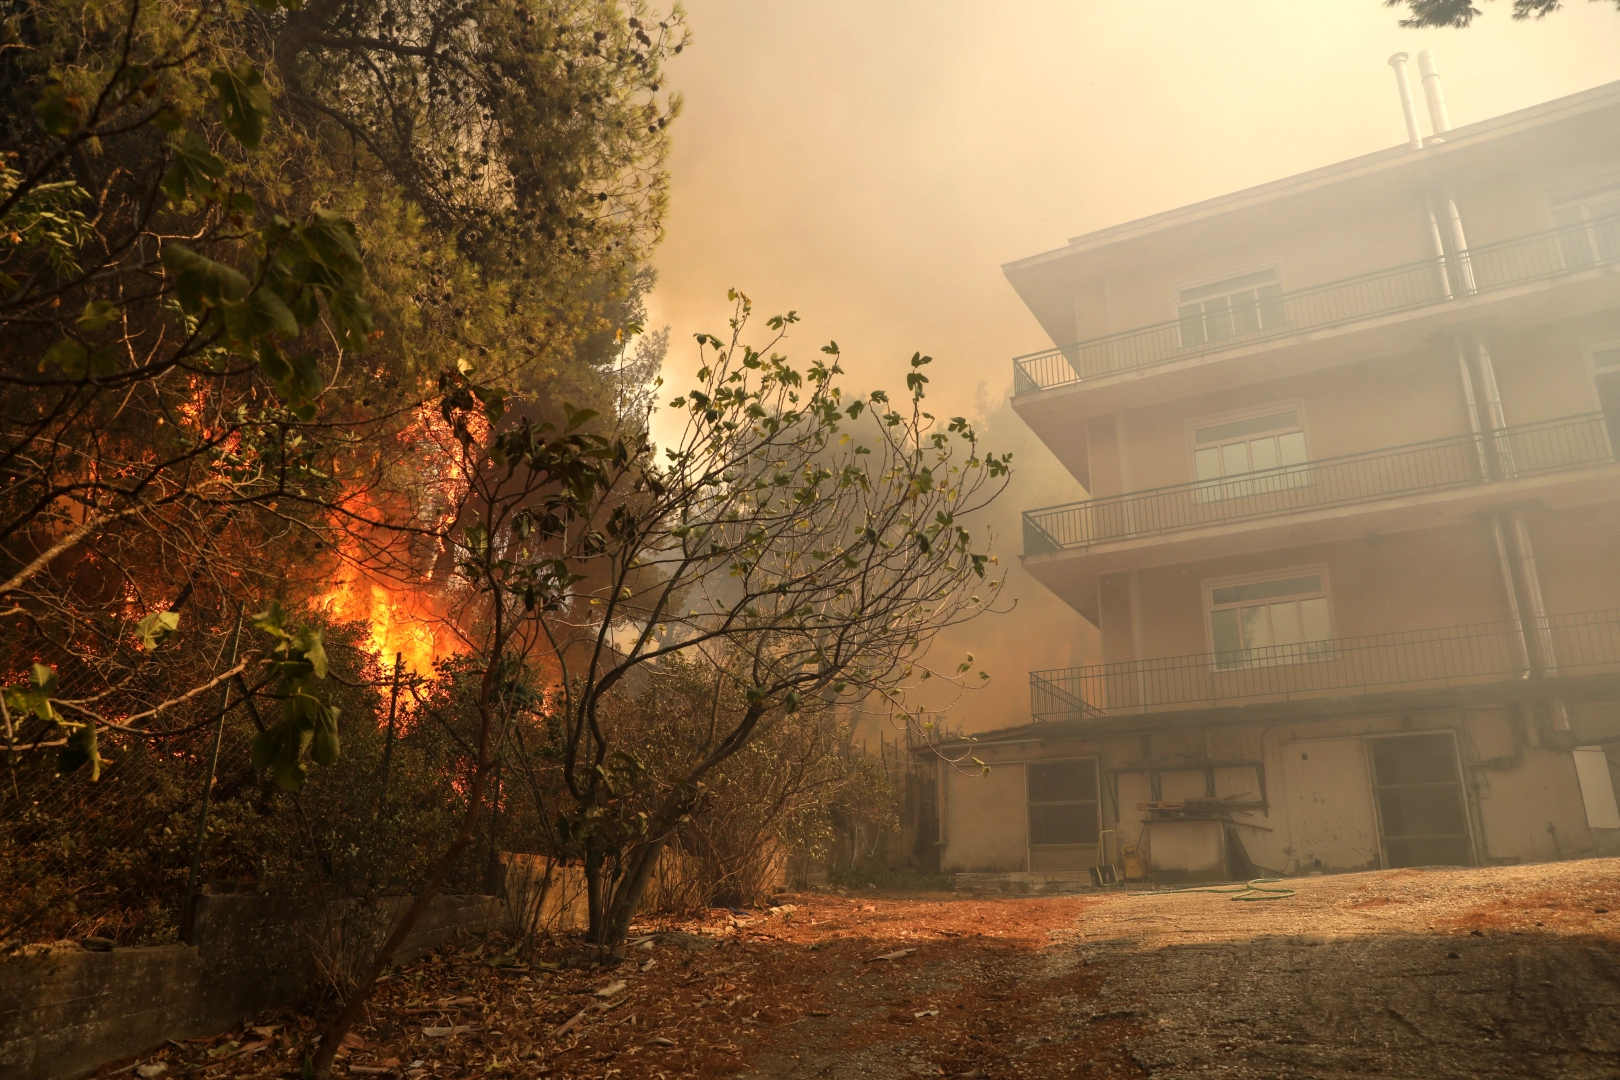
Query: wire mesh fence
113,858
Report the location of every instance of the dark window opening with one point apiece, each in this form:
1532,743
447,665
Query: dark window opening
1422,818
1063,807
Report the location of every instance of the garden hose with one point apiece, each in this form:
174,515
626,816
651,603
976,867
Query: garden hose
1252,890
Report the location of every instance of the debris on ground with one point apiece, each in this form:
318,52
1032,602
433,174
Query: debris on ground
1435,973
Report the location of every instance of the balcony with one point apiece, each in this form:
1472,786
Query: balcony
1481,654
1438,465
1431,283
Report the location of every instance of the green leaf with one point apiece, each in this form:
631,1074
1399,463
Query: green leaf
58,110
270,620
97,314
34,696
297,380
81,750
244,102
309,645
155,627
578,418
42,678
332,241
200,282
325,747
194,170
281,750
69,357
257,315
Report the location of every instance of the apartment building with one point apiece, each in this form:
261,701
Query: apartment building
1353,540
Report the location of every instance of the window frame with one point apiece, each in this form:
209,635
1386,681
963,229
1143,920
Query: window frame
1096,801
1320,656
1582,196
1274,268
1233,487
1589,351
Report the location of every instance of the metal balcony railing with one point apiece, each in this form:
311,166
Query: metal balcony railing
1550,446
1540,256
1560,645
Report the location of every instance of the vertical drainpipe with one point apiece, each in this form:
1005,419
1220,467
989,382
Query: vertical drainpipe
1439,255
1493,404
1529,571
1504,561
1538,612
1133,583
1439,120
1459,244
1414,137
1133,580
1471,405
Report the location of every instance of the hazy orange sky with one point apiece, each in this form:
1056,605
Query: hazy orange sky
872,163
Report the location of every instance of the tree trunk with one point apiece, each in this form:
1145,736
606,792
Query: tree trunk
332,1037
626,898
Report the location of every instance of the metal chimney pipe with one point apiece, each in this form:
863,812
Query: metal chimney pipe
1438,120
1414,137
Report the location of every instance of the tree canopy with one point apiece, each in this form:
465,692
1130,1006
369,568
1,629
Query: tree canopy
1462,13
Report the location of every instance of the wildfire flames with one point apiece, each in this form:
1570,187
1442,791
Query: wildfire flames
402,619
407,617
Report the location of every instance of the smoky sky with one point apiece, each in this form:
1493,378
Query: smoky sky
871,164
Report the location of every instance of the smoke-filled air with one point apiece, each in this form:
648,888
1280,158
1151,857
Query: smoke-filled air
619,538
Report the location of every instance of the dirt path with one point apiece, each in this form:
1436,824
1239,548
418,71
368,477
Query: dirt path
1510,972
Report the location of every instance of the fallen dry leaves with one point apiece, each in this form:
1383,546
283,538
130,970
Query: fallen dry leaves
964,987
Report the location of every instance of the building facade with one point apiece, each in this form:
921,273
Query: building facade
1353,541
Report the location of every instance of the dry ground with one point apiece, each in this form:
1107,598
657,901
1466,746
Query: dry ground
1507,972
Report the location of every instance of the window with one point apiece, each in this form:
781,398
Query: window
1606,374
1600,241
1232,308
1274,444
1063,803
1281,621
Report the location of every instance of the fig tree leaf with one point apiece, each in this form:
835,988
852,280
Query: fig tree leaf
155,627
200,282
193,171
244,102
81,750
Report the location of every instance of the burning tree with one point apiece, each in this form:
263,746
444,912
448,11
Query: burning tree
230,269
803,544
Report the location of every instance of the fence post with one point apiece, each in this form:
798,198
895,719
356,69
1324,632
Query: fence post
388,743
188,905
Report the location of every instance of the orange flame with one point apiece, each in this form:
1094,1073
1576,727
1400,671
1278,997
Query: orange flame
402,620
406,617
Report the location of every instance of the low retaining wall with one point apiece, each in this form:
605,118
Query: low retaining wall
65,1010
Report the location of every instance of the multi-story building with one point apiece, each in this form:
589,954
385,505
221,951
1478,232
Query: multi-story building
1353,541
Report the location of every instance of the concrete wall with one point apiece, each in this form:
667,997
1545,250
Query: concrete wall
984,815
65,1010
1523,801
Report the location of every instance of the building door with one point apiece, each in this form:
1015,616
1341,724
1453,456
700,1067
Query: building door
1417,786
1330,815
1064,814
